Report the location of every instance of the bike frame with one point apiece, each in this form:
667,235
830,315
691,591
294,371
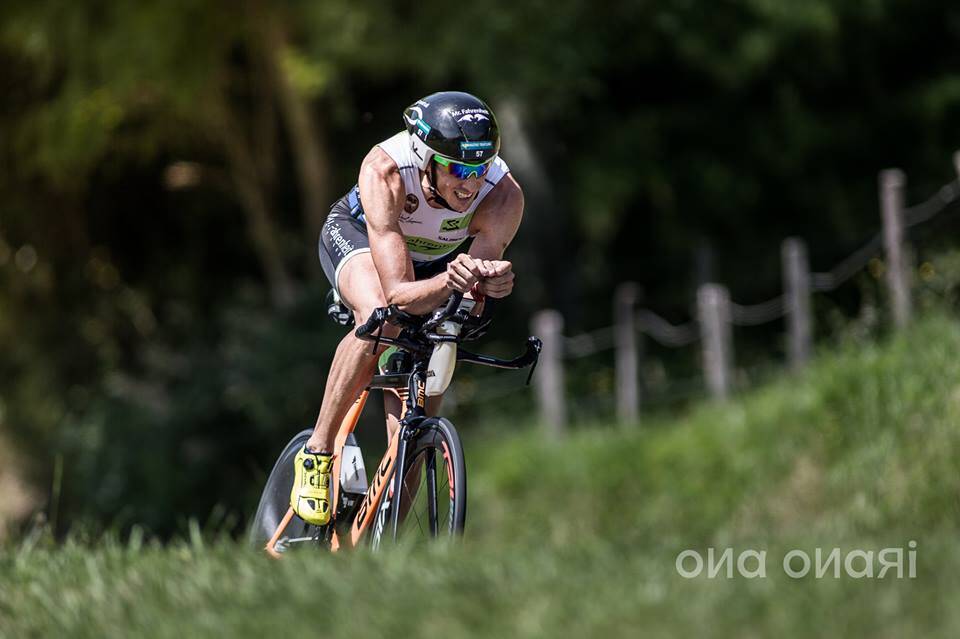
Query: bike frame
411,389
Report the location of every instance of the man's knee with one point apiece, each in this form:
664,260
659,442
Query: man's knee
359,286
364,311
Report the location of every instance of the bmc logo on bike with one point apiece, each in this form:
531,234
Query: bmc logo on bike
374,489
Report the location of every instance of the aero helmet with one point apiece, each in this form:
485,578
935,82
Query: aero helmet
455,125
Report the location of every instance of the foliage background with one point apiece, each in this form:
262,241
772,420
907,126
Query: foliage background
165,166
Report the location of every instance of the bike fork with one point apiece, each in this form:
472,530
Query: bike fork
398,483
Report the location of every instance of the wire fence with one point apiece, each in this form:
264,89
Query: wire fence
776,308
646,322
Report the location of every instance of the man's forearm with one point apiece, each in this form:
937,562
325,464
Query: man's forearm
422,296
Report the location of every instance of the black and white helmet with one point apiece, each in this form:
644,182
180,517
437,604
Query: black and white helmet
452,124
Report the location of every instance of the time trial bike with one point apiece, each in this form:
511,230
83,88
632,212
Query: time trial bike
419,488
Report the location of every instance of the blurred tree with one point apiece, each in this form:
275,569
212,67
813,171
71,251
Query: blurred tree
105,80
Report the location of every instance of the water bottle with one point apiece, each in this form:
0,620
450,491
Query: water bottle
353,474
444,357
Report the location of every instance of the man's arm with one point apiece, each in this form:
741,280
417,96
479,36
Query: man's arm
381,191
494,227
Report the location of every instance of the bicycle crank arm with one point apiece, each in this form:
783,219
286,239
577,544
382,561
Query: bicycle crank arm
271,546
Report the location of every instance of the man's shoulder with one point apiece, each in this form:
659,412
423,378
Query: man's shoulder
506,195
398,148
379,163
390,156
501,210
381,188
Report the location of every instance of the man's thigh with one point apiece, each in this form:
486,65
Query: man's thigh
359,286
342,240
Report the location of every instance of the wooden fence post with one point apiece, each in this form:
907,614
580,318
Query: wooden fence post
713,310
548,380
625,343
956,162
796,284
892,184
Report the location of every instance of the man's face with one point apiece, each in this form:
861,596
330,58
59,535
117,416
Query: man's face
458,193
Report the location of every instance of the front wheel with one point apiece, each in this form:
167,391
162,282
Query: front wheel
433,502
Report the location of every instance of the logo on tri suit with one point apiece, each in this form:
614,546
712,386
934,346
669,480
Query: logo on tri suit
411,203
410,206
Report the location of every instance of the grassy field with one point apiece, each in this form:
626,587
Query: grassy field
580,538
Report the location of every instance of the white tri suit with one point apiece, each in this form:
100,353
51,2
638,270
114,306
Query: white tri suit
433,236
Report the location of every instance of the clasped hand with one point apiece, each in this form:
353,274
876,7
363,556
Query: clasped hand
493,278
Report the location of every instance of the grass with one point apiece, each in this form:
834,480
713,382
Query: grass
579,538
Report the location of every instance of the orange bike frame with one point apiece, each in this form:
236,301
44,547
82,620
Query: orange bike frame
378,485
381,478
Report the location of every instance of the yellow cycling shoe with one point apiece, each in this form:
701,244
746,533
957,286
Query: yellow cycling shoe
310,496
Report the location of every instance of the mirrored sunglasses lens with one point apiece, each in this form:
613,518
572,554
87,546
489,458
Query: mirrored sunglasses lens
465,171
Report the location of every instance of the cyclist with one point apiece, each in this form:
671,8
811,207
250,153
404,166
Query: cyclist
432,212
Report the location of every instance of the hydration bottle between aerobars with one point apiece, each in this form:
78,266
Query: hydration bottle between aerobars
444,357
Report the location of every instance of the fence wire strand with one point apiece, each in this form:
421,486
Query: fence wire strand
666,333
920,213
848,267
756,314
588,343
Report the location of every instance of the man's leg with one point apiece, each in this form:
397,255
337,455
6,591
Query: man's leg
354,362
353,365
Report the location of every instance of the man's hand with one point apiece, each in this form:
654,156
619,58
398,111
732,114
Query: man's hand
498,278
463,272
493,278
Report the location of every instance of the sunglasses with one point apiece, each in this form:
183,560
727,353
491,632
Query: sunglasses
461,170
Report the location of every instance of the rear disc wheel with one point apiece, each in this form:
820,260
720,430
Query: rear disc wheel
275,501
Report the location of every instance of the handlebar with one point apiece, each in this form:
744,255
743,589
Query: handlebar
424,329
530,356
394,315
